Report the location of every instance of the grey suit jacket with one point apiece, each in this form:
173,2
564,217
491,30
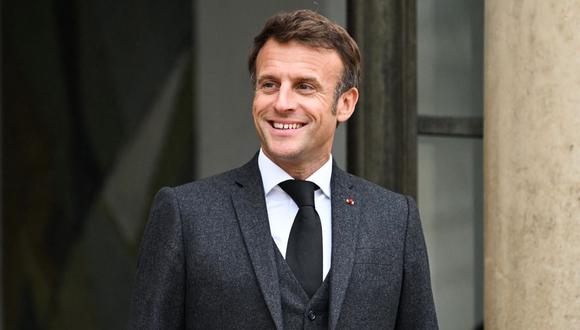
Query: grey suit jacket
207,258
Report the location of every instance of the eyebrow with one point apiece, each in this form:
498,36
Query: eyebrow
310,80
298,80
307,79
266,77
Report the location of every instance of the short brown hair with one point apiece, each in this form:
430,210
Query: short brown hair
314,30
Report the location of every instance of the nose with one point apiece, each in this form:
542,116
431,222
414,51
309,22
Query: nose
285,100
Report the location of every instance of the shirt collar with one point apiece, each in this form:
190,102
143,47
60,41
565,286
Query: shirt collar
272,174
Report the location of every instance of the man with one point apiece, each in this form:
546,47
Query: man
242,250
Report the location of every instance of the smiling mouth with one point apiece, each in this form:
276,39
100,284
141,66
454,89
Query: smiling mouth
286,126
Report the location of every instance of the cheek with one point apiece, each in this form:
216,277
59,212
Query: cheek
256,109
259,105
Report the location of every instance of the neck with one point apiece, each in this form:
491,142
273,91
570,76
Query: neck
301,170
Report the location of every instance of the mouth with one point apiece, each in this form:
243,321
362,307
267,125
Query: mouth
286,126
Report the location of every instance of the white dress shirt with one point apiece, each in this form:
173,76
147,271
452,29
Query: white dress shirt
282,209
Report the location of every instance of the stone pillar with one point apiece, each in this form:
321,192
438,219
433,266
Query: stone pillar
532,164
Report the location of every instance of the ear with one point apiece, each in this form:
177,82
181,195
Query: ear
346,104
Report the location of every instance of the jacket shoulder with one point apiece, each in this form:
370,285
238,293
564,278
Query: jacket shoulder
213,190
212,185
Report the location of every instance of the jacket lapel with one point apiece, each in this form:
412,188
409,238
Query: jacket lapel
345,217
249,203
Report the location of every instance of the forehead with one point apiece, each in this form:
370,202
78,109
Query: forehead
294,58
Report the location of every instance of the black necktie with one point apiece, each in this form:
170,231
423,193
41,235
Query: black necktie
304,251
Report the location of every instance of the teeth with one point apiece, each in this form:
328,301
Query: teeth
286,126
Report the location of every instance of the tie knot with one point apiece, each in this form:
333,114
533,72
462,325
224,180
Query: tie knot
302,192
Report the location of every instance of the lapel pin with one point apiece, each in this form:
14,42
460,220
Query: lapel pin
349,201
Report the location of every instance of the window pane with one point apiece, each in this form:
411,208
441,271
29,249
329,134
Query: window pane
450,199
450,57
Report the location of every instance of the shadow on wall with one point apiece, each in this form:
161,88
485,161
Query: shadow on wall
97,114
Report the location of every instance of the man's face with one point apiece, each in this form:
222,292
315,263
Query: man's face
294,102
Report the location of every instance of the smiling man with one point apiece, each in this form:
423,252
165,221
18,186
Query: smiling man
296,107
289,240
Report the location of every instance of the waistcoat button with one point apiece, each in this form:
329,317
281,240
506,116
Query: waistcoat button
311,315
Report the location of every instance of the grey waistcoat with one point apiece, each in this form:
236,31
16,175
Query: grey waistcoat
298,311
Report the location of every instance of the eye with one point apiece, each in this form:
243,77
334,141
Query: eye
305,87
268,86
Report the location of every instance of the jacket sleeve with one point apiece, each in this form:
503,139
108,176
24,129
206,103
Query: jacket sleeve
159,287
416,306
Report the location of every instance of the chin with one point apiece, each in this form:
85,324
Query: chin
286,155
